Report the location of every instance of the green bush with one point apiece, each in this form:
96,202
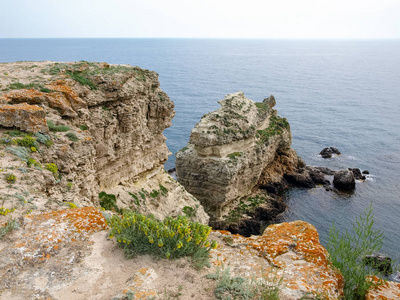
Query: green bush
72,136
52,168
21,152
109,202
171,238
10,226
44,138
31,162
26,141
347,251
83,127
57,128
82,78
11,178
16,133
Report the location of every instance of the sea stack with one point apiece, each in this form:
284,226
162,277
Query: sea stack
230,151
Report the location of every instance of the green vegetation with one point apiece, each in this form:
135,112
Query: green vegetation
57,128
234,155
69,185
9,227
163,190
71,205
21,152
52,168
82,78
171,238
109,202
31,162
36,86
244,288
11,178
16,133
262,107
83,127
135,199
72,136
27,141
347,251
190,212
44,139
276,127
244,207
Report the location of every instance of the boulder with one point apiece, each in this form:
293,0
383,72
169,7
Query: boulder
357,173
300,179
386,290
379,262
30,118
329,151
344,180
365,172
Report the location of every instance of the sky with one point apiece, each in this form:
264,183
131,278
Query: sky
270,19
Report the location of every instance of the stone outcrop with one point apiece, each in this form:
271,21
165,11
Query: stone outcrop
328,152
344,180
107,125
67,254
30,118
230,148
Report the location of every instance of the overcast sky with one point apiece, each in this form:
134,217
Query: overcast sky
344,19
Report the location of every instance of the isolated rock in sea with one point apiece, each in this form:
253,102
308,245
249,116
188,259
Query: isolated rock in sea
328,152
229,149
30,118
344,180
381,262
107,124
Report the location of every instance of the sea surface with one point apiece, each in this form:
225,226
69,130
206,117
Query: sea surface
339,93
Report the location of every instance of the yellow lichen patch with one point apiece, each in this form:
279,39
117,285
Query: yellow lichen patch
388,290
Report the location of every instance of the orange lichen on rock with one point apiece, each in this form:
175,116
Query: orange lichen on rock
30,96
291,248
70,95
30,118
387,290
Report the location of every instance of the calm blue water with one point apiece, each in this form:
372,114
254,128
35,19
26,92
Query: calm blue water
335,93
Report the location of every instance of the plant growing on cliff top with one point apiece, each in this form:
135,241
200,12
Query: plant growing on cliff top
72,136
171,238
109,202
27,141
11,178
52,168
11,225
346,252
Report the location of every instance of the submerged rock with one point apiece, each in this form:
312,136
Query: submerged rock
357,173
344,180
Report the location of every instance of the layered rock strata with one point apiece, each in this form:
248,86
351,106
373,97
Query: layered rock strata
231,148
106,127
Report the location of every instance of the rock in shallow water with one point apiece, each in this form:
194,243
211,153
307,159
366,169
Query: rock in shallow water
344,180
329,151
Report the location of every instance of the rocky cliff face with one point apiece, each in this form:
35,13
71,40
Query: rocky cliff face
100,125
229,150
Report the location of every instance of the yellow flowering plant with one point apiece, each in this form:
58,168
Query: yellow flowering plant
171,238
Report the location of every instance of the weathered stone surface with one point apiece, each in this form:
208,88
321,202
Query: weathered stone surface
389,290
229,149
344,180
119,148
30,118
67,254
357,173
295,252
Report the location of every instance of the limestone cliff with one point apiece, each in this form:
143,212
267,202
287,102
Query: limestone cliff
100,125
229,150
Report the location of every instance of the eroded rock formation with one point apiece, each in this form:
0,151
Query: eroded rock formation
106,134
233,149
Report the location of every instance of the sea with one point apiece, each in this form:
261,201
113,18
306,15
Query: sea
340,93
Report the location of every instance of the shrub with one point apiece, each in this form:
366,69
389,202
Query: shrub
189,211
171,238
57,128
154,194
33,149
16,133
82,78
5,211
109,202
72,136
71,205
83,127
11,178
10,226
348,250
31,162
52,168
21,152
27,141
234,155
44,138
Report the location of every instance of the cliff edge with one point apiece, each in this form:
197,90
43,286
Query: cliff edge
70,131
